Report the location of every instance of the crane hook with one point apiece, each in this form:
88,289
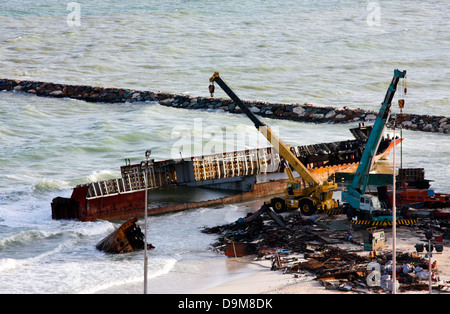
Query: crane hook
211,89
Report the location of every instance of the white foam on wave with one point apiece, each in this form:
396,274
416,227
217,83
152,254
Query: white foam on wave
22,211
45,185
10,264
101,176
128,273
84,228
23,237
7,264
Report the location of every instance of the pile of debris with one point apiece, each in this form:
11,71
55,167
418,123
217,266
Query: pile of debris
263,234
349,272
300,246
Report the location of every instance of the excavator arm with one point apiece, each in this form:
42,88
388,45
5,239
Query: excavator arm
278,144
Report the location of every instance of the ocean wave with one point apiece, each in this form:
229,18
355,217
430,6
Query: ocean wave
80,229
161,267
10,264
101,176
23,237
46,185
126,274
70,232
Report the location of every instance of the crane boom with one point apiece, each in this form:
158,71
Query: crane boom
278,144
216,78
360,180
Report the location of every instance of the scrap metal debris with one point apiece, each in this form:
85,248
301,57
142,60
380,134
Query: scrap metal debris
302,246
127,238
260,230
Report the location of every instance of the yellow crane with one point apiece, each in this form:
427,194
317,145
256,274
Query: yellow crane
310,198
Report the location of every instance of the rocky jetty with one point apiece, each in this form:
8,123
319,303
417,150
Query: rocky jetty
296,112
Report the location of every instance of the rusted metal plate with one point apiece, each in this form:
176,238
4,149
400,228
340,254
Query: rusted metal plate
237,249
349,275
127,238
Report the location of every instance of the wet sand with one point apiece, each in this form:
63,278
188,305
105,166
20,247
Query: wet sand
265,281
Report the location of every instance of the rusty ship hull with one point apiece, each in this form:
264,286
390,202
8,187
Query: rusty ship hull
123,206
124,197
127,238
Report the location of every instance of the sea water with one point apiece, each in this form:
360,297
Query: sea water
331,53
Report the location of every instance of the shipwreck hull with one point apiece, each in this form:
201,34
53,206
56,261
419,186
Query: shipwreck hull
127,238
123,206
124,197
126,205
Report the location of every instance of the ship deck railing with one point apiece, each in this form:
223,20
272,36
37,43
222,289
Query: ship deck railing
207,167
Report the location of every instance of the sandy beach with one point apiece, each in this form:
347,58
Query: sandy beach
261,280
214,273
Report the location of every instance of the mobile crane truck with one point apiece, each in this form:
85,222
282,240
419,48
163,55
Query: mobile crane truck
364,209
315,196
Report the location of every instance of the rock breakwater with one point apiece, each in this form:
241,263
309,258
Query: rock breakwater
296,112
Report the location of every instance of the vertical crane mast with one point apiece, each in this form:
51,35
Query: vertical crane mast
359,182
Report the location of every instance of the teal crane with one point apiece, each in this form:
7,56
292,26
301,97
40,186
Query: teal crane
363,206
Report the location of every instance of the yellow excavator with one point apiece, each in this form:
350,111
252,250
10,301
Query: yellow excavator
310,197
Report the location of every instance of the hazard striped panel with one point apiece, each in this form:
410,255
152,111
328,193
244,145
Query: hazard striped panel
370,223
334,211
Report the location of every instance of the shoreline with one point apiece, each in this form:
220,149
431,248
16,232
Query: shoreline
266,281
220,275
261,280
